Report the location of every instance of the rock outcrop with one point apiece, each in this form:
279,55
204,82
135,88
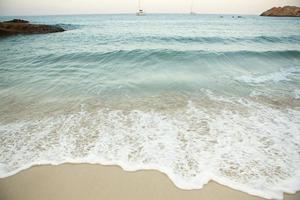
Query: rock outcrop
286,11
18,26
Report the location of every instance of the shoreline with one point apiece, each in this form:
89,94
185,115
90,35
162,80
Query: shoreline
94,181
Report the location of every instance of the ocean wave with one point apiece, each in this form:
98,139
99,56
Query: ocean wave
282,75
219,40
68,26
253,148
142,56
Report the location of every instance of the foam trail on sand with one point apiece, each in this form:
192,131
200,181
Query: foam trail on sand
253,148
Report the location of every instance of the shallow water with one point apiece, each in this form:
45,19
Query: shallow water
196,97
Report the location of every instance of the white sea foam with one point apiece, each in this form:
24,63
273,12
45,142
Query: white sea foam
282,75
251,147
297,93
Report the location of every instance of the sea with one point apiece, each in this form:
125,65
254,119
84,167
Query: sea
196,97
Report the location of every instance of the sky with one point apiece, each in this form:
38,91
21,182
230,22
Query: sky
61,7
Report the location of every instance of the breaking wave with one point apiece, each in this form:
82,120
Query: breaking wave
282,75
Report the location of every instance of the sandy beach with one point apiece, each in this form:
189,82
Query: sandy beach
84,181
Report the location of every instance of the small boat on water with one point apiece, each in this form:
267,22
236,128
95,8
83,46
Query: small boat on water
140,11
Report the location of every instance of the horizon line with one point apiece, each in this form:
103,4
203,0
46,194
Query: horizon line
150,13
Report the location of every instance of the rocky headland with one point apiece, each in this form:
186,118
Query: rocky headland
19,26
286,11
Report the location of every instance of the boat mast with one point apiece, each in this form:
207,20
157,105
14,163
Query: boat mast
192,7
139,5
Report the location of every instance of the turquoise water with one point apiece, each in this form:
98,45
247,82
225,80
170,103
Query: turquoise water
196,97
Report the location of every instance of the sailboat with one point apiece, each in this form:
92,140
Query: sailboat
140,11
192,8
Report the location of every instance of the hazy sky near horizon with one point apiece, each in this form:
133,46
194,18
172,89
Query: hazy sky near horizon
52,7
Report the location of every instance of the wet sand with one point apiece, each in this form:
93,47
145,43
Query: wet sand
89,182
